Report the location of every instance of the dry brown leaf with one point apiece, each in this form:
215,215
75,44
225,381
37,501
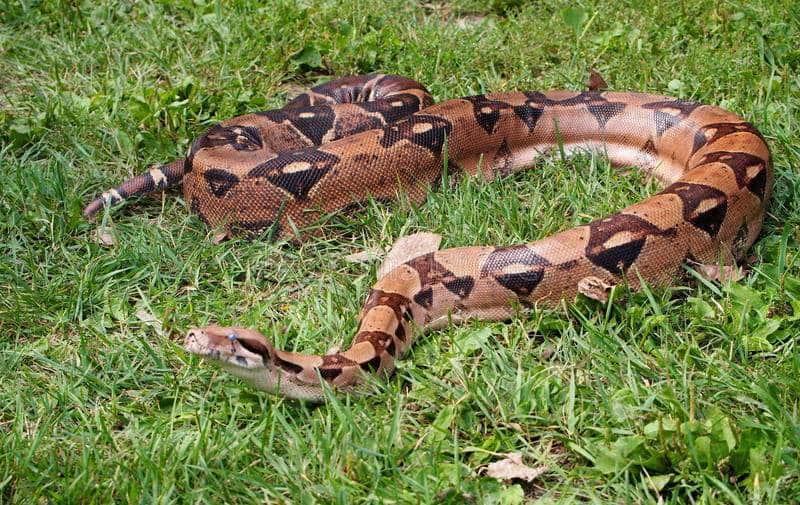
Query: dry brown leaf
723,273
293,89
149,319
219,237
596,81
469,21
512,467
365,256
105,236
407,248
594,288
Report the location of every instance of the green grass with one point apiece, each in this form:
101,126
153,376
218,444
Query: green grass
686,395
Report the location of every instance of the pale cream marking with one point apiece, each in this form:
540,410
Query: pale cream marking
297,166
158,177
620,238
753,171
306,115
421,127
707,204
379,318
519,268
360,352
111,194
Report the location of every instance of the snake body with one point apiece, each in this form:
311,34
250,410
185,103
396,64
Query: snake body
373,136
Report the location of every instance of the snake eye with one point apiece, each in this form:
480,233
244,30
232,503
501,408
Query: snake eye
232,337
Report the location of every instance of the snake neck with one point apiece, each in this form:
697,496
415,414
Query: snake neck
388,323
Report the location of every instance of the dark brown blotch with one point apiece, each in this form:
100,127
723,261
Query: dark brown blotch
393,108
255,347
330,374
287,365
312,122
460,286
487,112
619,258
664,114
605,111
503,257
432,272
372,365
692,196
583,98
739,163
220,181
425,130
503,163
333,365
424,297
521,283
529,114
240,138
336,360
380,340
397,302
296,172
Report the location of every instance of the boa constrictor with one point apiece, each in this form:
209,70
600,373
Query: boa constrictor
373,136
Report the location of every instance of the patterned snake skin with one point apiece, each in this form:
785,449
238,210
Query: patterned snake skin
373,136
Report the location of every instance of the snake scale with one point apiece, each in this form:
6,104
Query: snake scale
373,136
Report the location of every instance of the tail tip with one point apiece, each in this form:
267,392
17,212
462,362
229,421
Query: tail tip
91,210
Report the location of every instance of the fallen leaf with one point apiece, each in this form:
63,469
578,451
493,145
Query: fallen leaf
594,288
219,237
512,467
149,319
596,81
719,273
187,289
105,236
407,248
469,21
365,256
293,89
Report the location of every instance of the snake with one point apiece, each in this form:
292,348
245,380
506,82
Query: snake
372,137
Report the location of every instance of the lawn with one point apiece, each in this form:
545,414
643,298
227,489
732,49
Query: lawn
681,395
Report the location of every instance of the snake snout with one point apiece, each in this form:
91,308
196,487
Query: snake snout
195,341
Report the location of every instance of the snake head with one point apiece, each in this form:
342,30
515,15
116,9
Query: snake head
250,356
243,352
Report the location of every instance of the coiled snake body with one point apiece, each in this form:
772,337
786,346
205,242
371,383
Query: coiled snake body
373,136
